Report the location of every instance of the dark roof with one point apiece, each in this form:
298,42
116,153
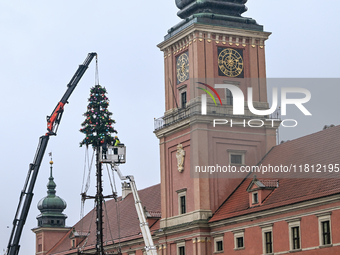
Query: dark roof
319,148
129,223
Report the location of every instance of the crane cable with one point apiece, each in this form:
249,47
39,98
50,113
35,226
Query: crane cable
87,166
88,233
97,73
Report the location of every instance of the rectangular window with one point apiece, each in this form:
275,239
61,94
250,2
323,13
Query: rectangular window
239,242
235,159
325,228
268,242
184,99
229,97
183,205
255,198
181,250
294,233
295,238
326,232
219,246
238,239
39,247
218,243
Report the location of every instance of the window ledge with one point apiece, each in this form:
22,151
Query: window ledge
295,250
237,249
217,252
325,246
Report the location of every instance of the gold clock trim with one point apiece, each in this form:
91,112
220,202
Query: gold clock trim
230,62
182,67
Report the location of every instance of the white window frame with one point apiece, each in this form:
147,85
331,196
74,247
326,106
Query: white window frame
252,198
181,193
237,152
265,229
322,218
238,234
180,244
218,239
182,89
292,224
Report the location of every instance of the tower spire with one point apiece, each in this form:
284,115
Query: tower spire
51,184
51,206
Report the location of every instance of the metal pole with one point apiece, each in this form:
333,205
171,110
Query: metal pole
99,205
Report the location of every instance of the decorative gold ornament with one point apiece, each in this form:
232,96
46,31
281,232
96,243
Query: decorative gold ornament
230,62
244,45
209,41
200,40
217,41
182,67
237,44
253,46
231,44
261,47
224,43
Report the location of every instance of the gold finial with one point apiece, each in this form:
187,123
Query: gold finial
51,162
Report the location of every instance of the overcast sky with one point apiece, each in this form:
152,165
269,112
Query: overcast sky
43,42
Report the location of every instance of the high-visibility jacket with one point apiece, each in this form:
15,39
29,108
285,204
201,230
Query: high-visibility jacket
117,142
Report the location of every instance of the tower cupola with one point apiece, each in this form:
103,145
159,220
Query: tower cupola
51,206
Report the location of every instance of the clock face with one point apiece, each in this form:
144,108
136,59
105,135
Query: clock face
182,67
230,62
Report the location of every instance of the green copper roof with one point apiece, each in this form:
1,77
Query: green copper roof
222,7
51,203
223,13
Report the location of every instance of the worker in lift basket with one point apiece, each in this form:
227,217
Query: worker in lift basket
117,141
104,149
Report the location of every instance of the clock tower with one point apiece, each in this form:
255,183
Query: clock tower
200,161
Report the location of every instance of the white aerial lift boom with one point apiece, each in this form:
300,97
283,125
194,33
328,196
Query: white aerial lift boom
115,155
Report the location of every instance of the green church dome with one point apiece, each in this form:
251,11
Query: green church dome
51,207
